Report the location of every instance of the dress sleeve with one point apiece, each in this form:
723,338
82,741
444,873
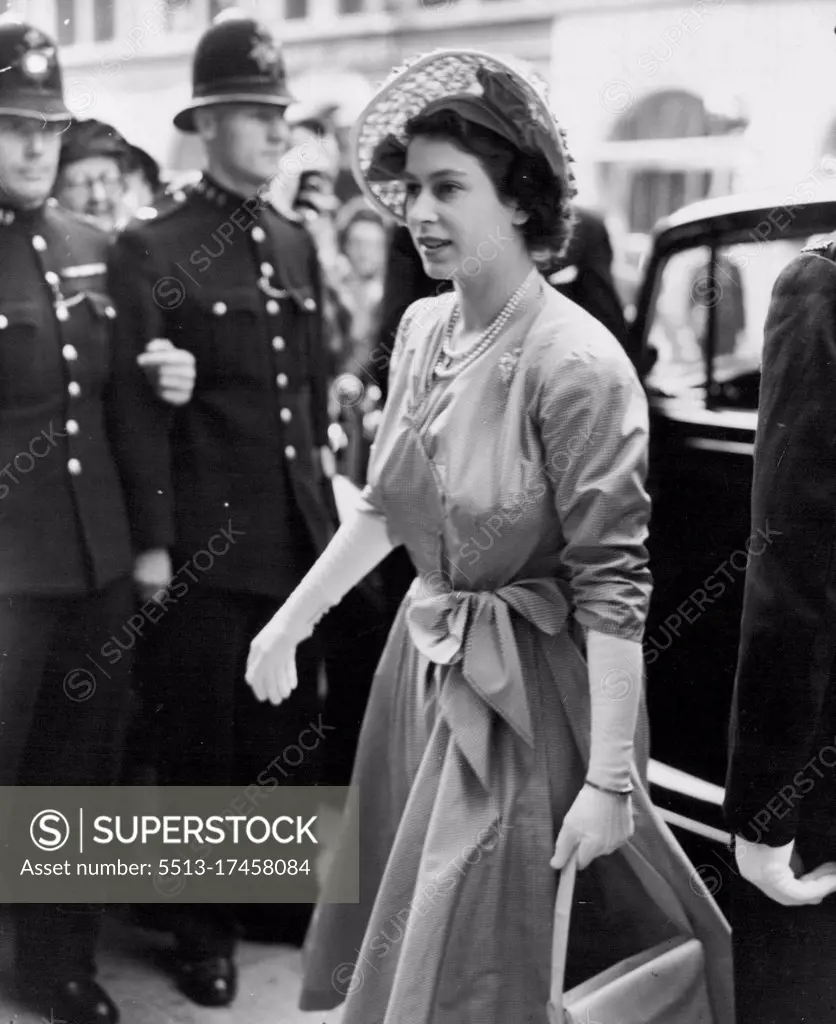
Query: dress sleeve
371,499
594,426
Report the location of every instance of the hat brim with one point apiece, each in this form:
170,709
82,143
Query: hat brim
409,89
185,119
37,109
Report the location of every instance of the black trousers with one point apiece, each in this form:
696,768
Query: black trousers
783,956
62,719
209,729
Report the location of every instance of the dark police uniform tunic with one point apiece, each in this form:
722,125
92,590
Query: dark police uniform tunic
237,284
79,495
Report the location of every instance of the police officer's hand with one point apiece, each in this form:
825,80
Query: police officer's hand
170,371
152,573
778,872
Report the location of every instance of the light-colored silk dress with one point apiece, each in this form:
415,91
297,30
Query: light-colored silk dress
518,490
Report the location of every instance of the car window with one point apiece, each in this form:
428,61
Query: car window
740,288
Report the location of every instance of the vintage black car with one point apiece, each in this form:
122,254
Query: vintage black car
697,334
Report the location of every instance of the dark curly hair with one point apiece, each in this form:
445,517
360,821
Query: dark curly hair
525,178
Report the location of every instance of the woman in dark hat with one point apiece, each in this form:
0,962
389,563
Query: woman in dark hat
91,174
505,732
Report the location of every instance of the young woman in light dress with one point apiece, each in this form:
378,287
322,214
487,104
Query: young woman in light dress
506,727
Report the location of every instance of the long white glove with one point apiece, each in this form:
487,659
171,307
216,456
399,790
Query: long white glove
356,548
777,872
601,816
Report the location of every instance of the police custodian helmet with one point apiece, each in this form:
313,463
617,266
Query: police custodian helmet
237,61
30,82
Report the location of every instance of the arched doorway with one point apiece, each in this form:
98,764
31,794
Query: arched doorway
667,150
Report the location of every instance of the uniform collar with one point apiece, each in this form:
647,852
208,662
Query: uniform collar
218,195
24,218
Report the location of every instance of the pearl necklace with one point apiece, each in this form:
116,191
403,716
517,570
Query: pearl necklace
451,363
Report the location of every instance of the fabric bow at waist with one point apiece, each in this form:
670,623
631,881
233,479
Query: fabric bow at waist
469,636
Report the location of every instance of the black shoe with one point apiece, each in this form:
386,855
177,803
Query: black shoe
72,1001
208,980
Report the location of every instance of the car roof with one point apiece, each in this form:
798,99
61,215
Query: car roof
744,205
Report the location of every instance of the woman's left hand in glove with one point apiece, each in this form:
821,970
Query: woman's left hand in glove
596,824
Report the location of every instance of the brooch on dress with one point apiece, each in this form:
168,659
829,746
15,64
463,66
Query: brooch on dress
508,364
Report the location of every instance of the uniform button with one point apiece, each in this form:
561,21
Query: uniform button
110,312
310,305
219,308
72,426
281,380
290,452
267,269
39,243
74,466
272,307
69,353
4,322
74,388
51,277
62,313
286,415
278,342
258,234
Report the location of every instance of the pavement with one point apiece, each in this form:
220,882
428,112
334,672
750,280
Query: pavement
130,969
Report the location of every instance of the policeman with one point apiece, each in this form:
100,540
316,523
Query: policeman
226,276
81,496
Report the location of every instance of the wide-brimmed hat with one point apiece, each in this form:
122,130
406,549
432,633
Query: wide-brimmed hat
30,85
237,61
495,91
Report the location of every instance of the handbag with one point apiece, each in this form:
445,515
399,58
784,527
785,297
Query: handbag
665,984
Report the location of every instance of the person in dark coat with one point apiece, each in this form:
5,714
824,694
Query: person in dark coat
226,276
780,799
82,505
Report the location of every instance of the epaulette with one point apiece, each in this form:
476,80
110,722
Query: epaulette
170,203
826,248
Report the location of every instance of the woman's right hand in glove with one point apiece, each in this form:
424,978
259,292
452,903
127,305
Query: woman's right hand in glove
271,665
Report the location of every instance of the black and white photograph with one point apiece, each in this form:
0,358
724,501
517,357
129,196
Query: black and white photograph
417,511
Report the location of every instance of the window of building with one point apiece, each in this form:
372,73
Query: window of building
104,26
666,151
65,22
184,15
218,6
296,8
351,6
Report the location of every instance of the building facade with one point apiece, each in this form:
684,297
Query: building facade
127,61
664,101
